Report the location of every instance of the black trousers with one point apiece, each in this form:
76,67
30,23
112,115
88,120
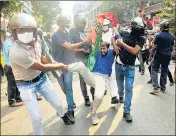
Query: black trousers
145,56
12,90
1,72
168,74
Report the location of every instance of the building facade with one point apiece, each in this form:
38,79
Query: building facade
27,9
89,8
151,9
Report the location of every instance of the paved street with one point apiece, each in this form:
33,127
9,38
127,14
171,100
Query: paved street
152,114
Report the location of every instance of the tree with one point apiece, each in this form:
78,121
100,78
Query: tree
123,10
169,13
46,12
9,8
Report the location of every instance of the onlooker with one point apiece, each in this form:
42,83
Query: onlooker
149,24
14,98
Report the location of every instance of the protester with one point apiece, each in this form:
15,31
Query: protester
79,34
163,43
125,70
14,99
25,58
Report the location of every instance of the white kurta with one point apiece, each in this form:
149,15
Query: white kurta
112,81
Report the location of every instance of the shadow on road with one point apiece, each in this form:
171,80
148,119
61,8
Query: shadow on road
5,110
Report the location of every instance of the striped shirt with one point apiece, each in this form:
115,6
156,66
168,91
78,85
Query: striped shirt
22,57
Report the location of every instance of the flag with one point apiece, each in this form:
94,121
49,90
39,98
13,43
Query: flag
109,16
96,33
97,37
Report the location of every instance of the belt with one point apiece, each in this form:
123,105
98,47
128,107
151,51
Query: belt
123,64
31,81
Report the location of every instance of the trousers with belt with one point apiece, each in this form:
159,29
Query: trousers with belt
28,92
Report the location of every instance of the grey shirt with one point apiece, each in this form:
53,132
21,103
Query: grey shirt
22,57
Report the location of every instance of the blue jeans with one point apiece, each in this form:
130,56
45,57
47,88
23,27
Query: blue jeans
164,62
83,87
127,74
28,95
65,82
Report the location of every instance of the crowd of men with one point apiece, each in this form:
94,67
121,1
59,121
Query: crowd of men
26,53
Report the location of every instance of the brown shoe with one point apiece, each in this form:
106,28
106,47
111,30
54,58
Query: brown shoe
155,91
19,101
39,99
16,104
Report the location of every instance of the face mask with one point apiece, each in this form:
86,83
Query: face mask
25,37
105,28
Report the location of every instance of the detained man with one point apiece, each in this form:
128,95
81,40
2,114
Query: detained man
107,34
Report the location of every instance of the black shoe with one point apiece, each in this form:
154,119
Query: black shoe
74,105
66,120
150,81
87,102
163,91
114,100
127,117
71,116
105,92
39,99
121,100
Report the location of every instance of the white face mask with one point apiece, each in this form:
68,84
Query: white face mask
25,37
105,28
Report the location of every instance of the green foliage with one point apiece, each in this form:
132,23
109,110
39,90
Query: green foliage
169,13
11,7
46,12
123,10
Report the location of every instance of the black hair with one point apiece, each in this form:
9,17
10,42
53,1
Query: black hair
140,10
105,44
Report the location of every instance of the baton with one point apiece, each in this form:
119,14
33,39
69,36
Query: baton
56,73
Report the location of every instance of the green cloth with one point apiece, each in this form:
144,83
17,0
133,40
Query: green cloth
93,55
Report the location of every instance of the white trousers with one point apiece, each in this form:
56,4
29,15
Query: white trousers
113,83
95,80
